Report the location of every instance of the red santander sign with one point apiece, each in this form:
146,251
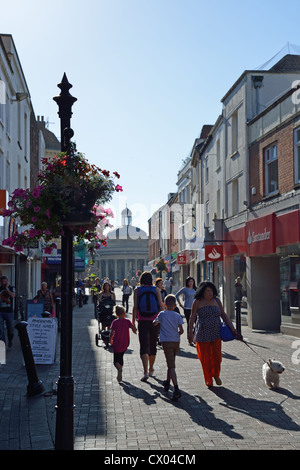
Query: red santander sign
260,236
213,252
182,258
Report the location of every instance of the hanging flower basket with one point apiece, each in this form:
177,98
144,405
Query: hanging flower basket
68,193
161,266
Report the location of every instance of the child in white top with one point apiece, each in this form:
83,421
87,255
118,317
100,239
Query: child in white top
170,330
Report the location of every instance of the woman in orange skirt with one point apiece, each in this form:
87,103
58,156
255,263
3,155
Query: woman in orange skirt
206,312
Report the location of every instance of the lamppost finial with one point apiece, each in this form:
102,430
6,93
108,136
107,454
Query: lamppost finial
65,102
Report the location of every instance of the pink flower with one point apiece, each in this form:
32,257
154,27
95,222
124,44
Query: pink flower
48,250
18,248
119,188
109,212
47,212
33,219
48,232
37,209
19,192
33,233
7,213
28,204
37,191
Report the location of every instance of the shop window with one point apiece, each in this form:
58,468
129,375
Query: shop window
271,170
297,154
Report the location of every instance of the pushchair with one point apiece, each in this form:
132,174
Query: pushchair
104,316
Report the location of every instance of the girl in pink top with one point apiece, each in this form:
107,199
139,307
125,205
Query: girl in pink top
119,338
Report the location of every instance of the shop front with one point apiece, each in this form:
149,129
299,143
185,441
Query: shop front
265,254
235,270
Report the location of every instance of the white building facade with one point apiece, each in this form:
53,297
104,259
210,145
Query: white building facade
15,120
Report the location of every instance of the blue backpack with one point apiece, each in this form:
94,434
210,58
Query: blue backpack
147,301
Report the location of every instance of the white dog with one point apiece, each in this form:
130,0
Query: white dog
271,371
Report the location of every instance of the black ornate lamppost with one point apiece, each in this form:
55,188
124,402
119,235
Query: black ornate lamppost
64,437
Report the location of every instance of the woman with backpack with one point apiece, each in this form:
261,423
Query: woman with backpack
147,303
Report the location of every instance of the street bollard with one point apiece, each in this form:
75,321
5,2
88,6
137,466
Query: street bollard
238,316
35,386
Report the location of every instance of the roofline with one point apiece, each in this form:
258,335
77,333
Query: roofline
212,131
283,97
18,59
257,72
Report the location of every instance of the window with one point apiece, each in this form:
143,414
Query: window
271,169
218,152
235,196
218,204
19,176
297,154
207,214
8,182
206,171
7,106
234,133
2,100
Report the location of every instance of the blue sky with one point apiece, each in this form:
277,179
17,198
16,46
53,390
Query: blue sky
148,74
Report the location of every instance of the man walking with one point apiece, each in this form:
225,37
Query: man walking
7,295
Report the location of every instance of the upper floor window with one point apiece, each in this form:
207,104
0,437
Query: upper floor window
271,169
234,132
7,116
2,101
206,171
218,154
235,196
297,154
207,214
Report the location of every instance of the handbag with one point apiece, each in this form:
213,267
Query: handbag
226,333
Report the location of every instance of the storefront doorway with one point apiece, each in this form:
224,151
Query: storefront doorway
289,288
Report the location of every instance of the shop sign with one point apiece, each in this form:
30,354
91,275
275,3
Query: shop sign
79,263
235,242
260,236
288,228
213,252
182,258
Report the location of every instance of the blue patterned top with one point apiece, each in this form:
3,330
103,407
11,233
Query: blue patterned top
208,324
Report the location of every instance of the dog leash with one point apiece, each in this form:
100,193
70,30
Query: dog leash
265,362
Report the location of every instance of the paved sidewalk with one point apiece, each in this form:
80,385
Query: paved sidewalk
133,415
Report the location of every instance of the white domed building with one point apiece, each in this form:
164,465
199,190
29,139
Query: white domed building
126,252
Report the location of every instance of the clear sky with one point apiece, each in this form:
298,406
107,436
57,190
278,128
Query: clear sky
148,74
